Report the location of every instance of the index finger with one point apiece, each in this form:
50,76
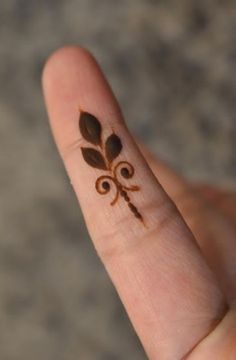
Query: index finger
169,292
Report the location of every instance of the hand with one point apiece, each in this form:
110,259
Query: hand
169,247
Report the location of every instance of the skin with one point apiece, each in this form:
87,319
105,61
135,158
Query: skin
175,276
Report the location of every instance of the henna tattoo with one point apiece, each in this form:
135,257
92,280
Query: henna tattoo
91,131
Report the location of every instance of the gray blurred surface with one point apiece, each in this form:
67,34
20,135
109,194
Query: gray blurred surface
172,66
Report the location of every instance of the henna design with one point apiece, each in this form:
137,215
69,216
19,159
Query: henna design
91,131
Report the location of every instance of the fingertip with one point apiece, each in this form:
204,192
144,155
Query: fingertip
72,80
63,60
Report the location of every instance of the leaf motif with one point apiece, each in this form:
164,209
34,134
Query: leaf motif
113,147
90,128
94,158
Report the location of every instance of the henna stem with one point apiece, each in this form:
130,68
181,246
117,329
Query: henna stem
132,207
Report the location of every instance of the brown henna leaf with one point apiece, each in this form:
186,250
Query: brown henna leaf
113,147
94,158
90,128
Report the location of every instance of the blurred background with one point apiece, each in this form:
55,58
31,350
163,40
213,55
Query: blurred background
172,66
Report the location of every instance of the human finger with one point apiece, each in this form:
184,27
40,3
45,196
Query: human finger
213,229
169,292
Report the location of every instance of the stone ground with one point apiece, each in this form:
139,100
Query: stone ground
172,65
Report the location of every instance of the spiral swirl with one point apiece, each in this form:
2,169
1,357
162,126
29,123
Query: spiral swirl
103,186
126,170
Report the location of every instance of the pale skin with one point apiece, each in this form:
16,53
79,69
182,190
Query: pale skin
176,276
